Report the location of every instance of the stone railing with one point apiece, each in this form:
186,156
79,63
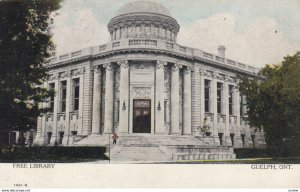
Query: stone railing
153,44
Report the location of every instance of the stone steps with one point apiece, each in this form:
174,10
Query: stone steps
138,153
94,140
158,148
203,156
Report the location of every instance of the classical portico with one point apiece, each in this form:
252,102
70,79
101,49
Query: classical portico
138,89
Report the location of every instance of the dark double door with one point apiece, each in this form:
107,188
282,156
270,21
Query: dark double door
141,116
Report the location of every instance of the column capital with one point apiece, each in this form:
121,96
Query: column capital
201,71
123,63
160,64
108,66
81,70
226,78
176,67
97,69
187,70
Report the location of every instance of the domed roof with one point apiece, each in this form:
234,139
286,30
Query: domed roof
143,7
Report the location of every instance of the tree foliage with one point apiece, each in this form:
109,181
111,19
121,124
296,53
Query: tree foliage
274,104
25,43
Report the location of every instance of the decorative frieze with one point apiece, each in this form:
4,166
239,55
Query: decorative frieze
53,77
66,74
78,72
220,77
142,92
207,73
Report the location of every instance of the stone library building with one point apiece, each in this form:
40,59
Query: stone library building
164,100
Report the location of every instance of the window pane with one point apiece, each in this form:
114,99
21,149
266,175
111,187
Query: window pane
230,99
75,94
76,90
207,94
219,97
76,104
63,96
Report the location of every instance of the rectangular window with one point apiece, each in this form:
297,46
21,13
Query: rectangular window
63,96
219,97
75,94
51,103
207,95
230,98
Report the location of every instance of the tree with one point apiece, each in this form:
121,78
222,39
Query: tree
274,104
25,43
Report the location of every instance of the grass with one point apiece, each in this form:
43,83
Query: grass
52,154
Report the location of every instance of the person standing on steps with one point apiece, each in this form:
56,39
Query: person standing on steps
115,137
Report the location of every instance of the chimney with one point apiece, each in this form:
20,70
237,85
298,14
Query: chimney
221,51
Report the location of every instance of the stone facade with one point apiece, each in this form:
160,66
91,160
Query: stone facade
144,83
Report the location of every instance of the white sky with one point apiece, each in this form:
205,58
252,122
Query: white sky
254,32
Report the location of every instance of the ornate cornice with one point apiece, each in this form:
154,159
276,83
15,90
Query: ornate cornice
164,52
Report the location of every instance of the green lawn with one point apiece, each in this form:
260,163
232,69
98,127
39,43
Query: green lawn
52,154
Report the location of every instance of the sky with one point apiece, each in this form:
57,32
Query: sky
254,32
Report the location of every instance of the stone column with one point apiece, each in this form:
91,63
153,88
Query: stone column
96,121
159,97
87,108
238,139
187,102
81,94
214,108
175,99
124,97
202,98
109,98
53,140
227,140
66,128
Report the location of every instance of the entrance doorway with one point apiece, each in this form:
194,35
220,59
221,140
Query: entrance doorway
141,116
